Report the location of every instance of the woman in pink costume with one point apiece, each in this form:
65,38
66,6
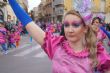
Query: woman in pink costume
3,38
101,36
76,51
17,38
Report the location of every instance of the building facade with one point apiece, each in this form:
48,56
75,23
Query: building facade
58,10
68,5
10,14
41,11
48,10
107,7
53,10
98,8
3,13
24,4
102,8
35,13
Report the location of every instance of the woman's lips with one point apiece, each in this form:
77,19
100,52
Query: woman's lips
71,35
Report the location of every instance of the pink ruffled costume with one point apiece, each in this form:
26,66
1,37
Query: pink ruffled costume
12,39
65,60
102,38
17,36
3,35
101,35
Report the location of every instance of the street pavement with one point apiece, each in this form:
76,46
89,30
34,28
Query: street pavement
27,58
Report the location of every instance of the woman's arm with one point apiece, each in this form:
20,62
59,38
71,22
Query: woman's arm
36,32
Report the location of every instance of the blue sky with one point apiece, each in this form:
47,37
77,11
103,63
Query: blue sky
33,3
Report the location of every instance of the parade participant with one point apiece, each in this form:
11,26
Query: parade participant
3,37
74,52
11,38
17,38
17,32
103,26
101,36
96,24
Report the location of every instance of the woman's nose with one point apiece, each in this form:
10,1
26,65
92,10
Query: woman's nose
71,29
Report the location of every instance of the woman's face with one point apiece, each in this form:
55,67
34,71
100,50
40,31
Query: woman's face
96,22
74,28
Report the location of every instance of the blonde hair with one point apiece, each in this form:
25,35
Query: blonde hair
90,39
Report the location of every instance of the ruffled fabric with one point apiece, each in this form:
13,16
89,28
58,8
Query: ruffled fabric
2,41
103,58
2,35
70,51
101,35
51,43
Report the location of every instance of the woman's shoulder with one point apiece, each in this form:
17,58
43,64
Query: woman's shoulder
68,49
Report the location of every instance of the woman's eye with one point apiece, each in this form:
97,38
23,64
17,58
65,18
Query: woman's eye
66,25
76,25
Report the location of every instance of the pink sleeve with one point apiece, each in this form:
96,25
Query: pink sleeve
103,58
101,35
51,43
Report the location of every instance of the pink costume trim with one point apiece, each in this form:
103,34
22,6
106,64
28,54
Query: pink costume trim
104,58
69,50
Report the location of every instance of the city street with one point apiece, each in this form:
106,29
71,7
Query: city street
76,36
27,58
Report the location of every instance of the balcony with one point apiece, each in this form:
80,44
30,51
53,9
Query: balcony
59,11
48,3
57,2
2,3
107,9
5,0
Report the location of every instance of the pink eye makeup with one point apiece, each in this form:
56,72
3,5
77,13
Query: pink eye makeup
74,24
